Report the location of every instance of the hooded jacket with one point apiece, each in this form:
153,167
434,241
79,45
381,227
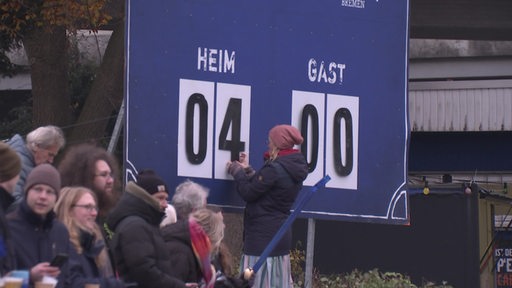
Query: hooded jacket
269,195
27,164
139,250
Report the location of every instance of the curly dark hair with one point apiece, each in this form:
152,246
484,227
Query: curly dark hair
78,167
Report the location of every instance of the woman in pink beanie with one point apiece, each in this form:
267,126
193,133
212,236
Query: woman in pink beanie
269,194
285,137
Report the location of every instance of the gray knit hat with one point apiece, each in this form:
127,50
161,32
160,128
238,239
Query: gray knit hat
44,174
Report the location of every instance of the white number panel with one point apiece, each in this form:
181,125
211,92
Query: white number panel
197,145
232,125
195,128
342,126
308,111
330,126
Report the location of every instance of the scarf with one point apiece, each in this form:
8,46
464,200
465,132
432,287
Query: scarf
284,152
201,247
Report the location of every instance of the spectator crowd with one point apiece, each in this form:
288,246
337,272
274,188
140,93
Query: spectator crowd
71,222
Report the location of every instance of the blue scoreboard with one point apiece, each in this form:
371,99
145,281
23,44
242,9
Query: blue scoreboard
207,79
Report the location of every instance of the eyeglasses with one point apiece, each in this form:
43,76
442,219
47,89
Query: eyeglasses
105,174
88,207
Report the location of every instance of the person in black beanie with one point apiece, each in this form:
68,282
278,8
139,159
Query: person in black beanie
155,186
10,167
140,256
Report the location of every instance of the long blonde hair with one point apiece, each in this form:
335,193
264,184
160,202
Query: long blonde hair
272,153
68,197
213,225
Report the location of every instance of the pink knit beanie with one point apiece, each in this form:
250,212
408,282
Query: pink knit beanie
285,136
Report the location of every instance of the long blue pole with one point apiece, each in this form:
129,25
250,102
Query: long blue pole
279,234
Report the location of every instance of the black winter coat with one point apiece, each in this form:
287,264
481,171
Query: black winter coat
6,248
139,250
86,261
179,245
269,195
37,240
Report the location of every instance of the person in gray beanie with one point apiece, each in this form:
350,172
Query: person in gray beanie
36,233
45,174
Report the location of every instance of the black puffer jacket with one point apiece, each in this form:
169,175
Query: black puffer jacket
179,245
6,248
270,194
139,250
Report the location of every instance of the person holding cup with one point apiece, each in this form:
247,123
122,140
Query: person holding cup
37,236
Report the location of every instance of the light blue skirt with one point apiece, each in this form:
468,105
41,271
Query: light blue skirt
276,272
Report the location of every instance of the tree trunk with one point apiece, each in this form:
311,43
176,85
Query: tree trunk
106,95
47,55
